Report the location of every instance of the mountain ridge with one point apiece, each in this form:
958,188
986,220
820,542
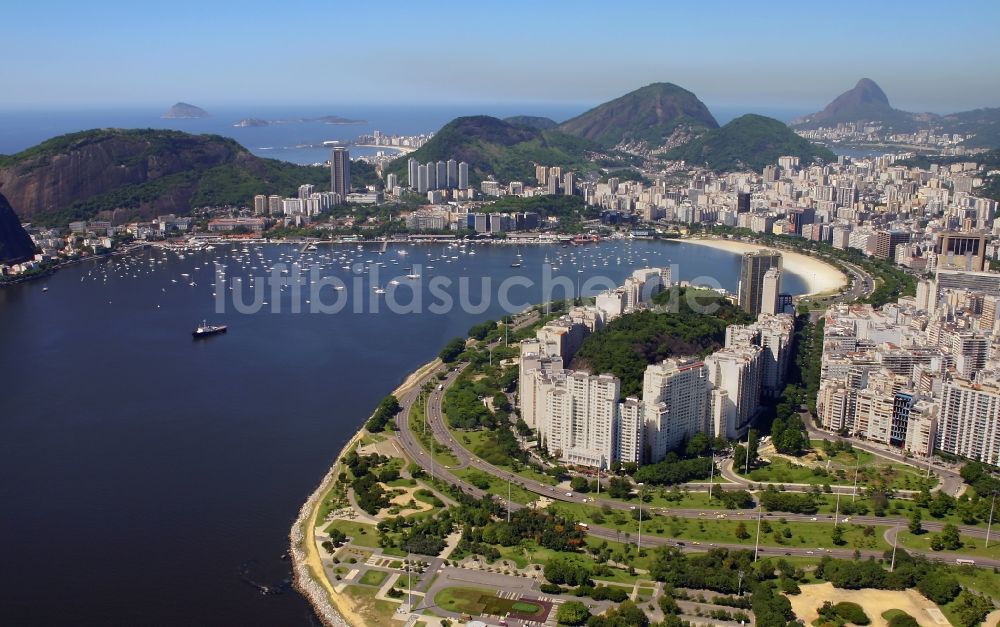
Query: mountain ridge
15,243
658,114
143,172
749,141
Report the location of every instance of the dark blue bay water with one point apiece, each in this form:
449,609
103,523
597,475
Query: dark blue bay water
139,470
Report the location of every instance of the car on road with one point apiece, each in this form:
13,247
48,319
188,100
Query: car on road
813,519
569,494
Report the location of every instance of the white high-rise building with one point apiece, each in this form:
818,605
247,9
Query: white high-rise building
463,175
738,372
675,394
579,425
452,179
770,291
412,172
969,421
432,182
422,183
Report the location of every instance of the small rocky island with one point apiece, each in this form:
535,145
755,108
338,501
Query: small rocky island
326,119
183,110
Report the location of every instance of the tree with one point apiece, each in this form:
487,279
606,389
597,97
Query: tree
950,538
838,535
972,608
452,350
741,531
939,588
916,528
579,484
572,613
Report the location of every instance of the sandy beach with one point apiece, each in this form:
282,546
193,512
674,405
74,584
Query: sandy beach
819,276
333,609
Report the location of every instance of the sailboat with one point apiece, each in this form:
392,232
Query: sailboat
517,261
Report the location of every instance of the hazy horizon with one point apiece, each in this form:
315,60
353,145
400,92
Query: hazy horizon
779,55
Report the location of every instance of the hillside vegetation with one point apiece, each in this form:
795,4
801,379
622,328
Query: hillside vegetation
494,147
630,343
146,172
749,142
651,114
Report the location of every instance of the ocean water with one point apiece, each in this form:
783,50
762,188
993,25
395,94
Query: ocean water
142,472
296,142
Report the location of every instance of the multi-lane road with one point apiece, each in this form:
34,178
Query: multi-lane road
435,420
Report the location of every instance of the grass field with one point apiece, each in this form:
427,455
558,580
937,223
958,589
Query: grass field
480,601
423,435
496,486
894,475
373,578
361,534
374,611
973,547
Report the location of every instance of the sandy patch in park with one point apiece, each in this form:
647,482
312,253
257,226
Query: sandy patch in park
873,601
403,499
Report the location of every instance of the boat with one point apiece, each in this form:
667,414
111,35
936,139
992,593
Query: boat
204,329
379,290
516,264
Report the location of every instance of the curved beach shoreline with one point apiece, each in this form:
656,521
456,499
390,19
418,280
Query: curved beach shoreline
819,276
307,568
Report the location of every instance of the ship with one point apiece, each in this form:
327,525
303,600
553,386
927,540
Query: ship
204,330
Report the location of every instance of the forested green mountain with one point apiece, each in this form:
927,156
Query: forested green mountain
145,172
493,147
659,114
749,142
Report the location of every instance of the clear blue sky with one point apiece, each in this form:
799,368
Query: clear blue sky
933,56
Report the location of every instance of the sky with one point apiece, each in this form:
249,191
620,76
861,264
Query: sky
926,56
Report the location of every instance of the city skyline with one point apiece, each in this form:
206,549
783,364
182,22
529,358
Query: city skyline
104,55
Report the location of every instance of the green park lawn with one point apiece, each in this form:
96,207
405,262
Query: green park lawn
361,534
480,601
373,578
973,547
495,485
441,453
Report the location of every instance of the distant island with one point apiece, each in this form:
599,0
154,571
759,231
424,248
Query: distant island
183,110
326,119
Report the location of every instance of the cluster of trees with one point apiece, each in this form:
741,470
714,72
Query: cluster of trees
481,330
630,343
932,579
972,608
563,569
549,529
843,612
788,433
794,502
386,411
452,350
463,408
674,472
626,614
369,495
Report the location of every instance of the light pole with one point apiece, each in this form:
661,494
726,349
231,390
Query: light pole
857,467
747,472
508,499
836,514
639,543
756,546
711,476
895,539
739,589
989,524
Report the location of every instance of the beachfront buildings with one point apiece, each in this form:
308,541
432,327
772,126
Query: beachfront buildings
754,268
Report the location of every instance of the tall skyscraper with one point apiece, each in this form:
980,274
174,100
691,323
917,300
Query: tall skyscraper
452,180
442,175
411,170
568,184
432,182
463,175
751,289
742,202
340,171
422,183
770,291
391,181
675,394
